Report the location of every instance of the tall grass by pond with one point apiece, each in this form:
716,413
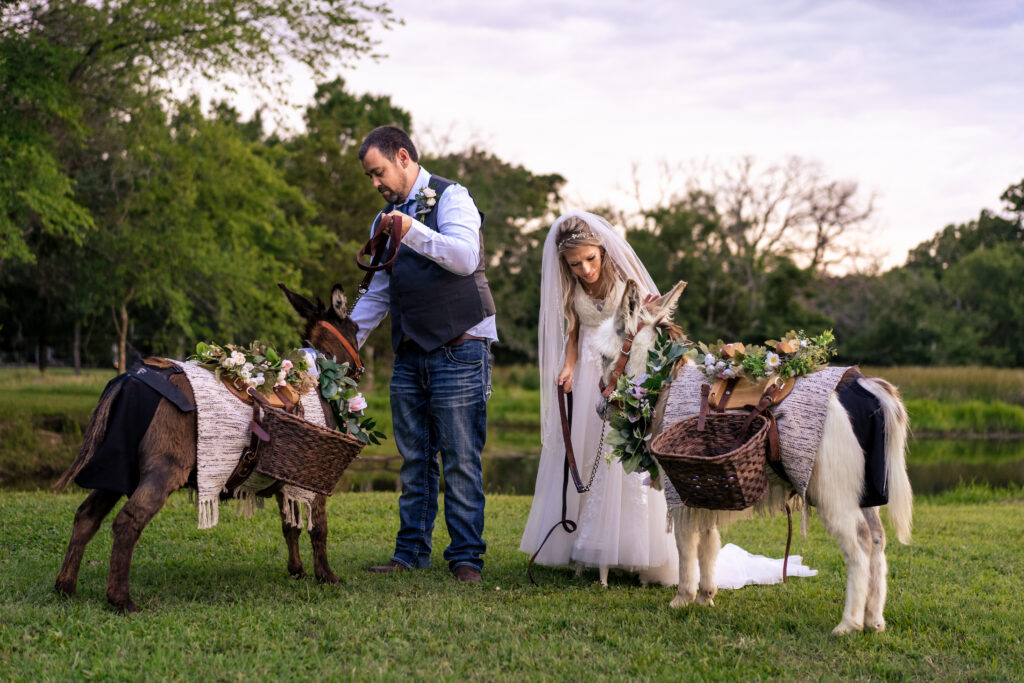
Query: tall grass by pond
950,384
42,416
218,604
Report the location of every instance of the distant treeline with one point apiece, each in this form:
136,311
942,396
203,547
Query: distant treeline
134,223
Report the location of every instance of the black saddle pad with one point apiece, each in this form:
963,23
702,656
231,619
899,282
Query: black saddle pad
115,464
868,420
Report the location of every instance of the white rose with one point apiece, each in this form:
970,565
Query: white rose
259,379
237,358
709,359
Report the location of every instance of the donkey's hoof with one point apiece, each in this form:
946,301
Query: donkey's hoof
681,601
65,590
125,608
845,627
327,577
299,573
876,626
706,599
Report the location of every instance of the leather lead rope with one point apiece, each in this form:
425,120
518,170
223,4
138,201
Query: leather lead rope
377,246
567,465
570,455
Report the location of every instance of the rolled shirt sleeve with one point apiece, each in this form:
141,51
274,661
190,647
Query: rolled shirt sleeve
456,244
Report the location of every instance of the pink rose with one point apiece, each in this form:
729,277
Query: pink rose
356,404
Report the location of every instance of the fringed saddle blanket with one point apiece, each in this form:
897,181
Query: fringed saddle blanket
800,418
222,425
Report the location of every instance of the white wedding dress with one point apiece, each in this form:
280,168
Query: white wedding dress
621,522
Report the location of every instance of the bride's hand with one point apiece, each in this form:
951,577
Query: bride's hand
565,379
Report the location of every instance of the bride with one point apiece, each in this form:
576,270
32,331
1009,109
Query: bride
620,519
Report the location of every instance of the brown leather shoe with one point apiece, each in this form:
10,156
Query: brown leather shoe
389,568
466,573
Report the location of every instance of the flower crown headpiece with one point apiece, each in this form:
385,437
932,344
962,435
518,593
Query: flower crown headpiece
574,236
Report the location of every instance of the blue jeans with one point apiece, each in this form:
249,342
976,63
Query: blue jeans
439,405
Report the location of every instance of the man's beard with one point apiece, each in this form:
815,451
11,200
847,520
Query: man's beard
390,196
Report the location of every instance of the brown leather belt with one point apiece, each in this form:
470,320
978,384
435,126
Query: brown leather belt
463,338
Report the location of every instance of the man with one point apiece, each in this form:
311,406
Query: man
442,326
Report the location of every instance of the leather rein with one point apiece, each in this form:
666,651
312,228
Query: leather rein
379,246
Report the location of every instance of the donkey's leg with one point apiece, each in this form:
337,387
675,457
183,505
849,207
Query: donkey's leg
877,584
318,535
145,502
167,455
687,537
88,517
291,539
710,544
835,486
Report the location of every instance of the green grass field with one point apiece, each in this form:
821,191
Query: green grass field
217,604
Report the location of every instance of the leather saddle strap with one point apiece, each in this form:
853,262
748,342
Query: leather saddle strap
613,380
250,455
730,387
766,401
702,416
570,456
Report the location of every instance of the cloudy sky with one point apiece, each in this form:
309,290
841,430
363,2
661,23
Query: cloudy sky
920,101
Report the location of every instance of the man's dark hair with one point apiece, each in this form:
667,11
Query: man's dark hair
388,139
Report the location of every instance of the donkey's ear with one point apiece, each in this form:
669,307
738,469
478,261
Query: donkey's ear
301,304
665,305
338,301
630,305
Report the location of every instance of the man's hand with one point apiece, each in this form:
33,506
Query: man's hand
385,222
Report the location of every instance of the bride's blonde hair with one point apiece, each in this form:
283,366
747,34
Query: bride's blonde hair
575,232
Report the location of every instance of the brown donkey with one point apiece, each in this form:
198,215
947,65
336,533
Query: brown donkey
167,461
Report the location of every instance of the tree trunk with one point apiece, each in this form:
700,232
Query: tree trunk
42,355
121,325
76,348
367,379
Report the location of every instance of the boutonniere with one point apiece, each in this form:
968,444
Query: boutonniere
425,201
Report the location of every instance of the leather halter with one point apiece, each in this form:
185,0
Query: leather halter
358,368
613,379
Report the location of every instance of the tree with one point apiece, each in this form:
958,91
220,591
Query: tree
78,80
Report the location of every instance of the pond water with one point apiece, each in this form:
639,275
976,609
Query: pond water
934,465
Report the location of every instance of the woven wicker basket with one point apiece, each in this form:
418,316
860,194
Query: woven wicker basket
707,468
304,454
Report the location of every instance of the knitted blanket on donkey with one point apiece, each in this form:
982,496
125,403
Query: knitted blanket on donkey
222,426
800,418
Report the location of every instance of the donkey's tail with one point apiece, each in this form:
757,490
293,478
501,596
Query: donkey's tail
897,430
94,433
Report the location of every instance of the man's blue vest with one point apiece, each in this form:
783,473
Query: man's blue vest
432,305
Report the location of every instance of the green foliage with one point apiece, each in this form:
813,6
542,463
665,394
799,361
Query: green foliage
342,393
258,365
632,408
794,355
